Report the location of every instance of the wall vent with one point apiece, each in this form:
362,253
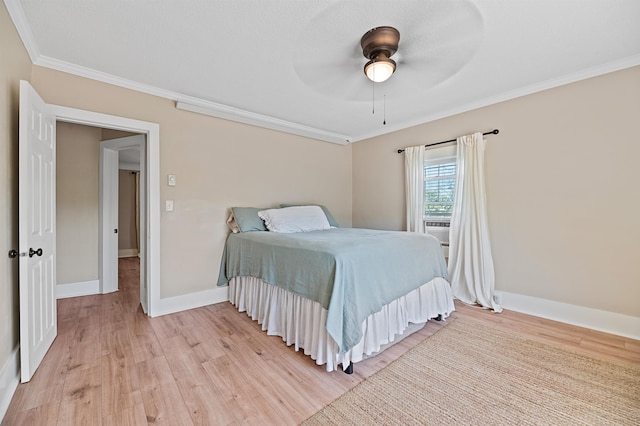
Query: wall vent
438,224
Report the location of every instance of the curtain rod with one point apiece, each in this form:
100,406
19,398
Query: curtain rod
493,132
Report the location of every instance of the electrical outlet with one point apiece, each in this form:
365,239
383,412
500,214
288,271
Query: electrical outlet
168,205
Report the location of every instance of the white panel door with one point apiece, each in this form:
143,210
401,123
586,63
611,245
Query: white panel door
108,221
37,230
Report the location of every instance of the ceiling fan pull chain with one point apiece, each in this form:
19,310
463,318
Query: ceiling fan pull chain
373,97
384,111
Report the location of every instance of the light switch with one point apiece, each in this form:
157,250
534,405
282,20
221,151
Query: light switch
168,206
171,180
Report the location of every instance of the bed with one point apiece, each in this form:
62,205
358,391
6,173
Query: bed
339,294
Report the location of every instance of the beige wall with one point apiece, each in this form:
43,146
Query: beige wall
77,202
108,134
563,189
14,66
127,211
218,164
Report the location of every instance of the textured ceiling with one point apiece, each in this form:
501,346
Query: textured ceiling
298,64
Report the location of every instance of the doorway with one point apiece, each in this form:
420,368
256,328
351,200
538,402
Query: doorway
150,215
100,208
37,208
115,155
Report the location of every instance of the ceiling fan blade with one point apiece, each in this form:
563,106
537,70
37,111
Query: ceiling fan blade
435,43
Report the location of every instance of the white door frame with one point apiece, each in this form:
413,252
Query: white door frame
152,184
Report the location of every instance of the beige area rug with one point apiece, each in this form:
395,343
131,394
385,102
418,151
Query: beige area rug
470,374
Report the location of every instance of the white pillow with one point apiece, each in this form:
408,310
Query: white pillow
295,219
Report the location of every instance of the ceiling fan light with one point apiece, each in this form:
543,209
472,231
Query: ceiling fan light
379,69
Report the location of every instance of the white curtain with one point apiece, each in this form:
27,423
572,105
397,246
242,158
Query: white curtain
414,187
470,262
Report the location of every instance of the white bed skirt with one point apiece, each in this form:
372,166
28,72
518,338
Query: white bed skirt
301,322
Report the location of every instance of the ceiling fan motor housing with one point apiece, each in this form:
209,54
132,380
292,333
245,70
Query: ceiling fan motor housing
380,40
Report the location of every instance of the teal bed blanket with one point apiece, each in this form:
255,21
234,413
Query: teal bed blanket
351,272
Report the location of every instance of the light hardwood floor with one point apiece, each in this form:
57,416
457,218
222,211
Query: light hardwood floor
112,365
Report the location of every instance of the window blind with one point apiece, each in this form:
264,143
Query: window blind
439,189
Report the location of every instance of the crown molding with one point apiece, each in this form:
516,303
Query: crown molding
81,71
596,71
193,104
16,12
223,111
218,110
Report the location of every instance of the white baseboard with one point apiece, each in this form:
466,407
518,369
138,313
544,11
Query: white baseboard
127,253
171,305
595,319
9,380
83,288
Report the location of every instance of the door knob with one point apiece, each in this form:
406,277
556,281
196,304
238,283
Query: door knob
37,252
13,254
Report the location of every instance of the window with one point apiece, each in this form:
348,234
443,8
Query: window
439,188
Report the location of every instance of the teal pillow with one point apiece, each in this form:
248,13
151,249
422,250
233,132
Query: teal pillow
326,211
247,218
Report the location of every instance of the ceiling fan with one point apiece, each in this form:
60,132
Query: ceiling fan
379,45
438,39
